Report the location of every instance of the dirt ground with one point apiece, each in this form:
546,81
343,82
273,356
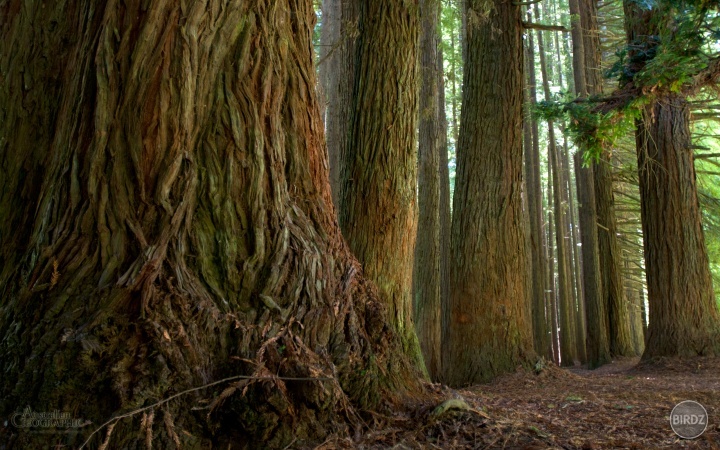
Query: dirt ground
623,405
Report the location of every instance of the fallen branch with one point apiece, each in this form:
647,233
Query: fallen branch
540,26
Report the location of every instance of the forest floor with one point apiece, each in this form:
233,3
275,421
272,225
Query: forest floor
623,405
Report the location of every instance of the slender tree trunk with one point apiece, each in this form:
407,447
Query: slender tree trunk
597,343
489,331
337,75
683,313
574,258
644,310
618,323
463,8
445,215
629,222
445,218
568,344
455,112
635,312
610,257
378,201
168,223
552,284
587,270
541,13
427,280
578,47
330,33
534,195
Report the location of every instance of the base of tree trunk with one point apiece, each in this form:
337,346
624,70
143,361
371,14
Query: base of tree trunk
171,262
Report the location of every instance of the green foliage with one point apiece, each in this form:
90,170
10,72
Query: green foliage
589,127
677,57
685,44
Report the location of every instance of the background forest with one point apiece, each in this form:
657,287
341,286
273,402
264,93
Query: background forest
551,53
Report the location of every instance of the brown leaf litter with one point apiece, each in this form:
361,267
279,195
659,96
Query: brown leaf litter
623,405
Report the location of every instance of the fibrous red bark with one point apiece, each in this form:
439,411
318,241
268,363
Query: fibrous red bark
489,328
167,222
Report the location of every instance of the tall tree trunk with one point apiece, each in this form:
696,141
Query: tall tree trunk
489,330
538,250
595,303
568,335
454,89
683,314
463,8
618,319
578,49
337,76
630,228
167,222
378,200
610,257
644,311
574,258
597,343
635,312
684,318
552,305
445,217
568,344
426,279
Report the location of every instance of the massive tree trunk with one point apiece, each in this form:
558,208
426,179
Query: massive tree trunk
167,222
489,325
683,314
426,278
337,76
378,205
684,317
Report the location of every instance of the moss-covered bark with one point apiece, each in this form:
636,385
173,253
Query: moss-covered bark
167,222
